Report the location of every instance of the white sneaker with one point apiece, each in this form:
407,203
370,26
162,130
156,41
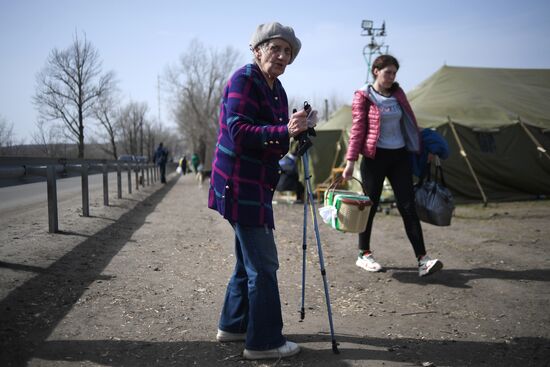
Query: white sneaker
368,263
225,336
427,266
286,350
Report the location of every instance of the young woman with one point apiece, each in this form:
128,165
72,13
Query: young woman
384,131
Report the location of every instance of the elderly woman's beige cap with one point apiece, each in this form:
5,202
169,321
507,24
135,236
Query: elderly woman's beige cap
269,31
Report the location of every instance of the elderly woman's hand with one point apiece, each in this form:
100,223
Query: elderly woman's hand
297,123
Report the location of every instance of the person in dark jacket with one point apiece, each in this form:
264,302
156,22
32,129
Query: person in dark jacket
160,158
385,132
254,135
184,165
290,178
433,144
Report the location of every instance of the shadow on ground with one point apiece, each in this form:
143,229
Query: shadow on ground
353,350
30,313
459,278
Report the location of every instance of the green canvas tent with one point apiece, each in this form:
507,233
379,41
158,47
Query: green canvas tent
497,124
329,145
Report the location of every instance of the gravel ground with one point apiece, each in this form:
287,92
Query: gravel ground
141,283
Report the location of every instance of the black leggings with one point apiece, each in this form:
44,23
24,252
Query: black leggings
395,164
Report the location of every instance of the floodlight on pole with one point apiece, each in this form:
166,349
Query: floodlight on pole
374,46
367,26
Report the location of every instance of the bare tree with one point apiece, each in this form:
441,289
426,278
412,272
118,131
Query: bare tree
9,144
196,85
140,135
105,113
132,122
69,85
48,139
156,133
325,106
6,135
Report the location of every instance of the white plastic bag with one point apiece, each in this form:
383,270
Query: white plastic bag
312,119
328,213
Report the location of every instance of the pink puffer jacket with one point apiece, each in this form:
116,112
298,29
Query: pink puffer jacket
365,128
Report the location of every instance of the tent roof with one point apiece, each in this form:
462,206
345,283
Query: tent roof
340,120
483,97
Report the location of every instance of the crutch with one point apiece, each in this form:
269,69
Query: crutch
309,201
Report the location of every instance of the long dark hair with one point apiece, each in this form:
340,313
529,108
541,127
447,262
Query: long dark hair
383,61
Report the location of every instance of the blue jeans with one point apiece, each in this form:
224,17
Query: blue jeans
252,302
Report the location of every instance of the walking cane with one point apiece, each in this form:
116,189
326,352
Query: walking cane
305,143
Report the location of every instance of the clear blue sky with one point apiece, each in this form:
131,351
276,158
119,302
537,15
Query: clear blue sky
138,39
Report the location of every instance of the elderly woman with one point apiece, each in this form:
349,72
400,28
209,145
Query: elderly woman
254,135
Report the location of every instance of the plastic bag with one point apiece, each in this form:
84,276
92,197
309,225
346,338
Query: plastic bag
434,201
312,119
328,213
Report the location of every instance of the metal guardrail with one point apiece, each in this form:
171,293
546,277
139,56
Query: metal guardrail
52,169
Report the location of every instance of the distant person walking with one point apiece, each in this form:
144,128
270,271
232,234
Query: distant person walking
198,168
160,158
290,178
195,163
183,165
385,132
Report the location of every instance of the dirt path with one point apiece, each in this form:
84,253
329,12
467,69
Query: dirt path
141,283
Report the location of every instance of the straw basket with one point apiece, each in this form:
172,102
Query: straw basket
352,209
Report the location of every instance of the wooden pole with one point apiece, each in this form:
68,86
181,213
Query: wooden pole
540,148
465,156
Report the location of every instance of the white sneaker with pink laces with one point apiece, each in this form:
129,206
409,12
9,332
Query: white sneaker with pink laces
368,263
428,266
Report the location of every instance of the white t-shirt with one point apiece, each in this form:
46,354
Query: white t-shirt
391,136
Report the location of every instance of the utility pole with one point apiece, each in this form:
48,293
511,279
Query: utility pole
375,45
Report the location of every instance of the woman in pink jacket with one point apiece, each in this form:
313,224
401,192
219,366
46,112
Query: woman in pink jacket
385,131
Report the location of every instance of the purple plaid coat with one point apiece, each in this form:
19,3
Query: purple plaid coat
252,137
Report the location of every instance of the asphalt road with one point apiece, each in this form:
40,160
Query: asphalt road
23,196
